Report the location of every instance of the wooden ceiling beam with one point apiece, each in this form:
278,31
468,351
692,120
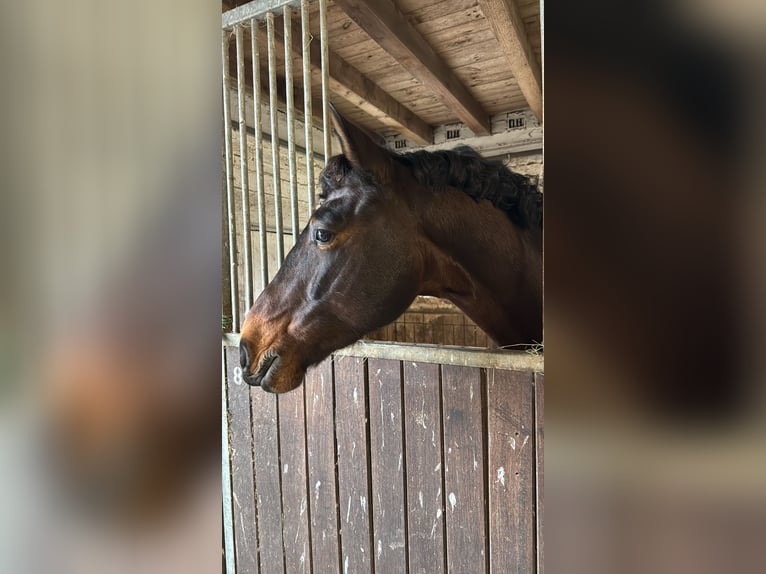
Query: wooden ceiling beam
359,90
385,24
506,22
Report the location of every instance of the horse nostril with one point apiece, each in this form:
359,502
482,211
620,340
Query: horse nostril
244,356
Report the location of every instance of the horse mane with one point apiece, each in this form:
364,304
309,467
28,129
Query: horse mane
463,168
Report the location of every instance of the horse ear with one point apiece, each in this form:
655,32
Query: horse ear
360,148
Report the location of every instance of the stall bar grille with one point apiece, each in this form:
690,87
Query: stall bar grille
253,157
265,167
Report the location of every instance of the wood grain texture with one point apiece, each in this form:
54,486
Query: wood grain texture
292,445
320,444
353,492
243,489
267,480
347,82
464,469
387,457
394,33
423,458
507,24
510,421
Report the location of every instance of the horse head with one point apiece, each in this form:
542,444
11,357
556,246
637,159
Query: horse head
355,267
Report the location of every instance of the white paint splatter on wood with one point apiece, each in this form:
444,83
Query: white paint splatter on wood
382,426
452,501
501,475
316,490
420,498
356,396
285,469
513,442
363,503
380,542
348,511
345,565
437,467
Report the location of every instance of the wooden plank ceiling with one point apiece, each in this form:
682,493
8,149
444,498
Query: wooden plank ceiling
406,66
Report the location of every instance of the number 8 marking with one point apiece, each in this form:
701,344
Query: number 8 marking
237,375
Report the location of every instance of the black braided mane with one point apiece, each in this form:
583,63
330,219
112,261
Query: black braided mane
463,168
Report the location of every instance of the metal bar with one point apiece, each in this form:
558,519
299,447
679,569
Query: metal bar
229,183
325,79
308,112
226,495
497,359
244,170
291,160
282,142
252,10
276,180
258,134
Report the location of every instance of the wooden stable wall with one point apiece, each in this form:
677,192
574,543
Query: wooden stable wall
379,465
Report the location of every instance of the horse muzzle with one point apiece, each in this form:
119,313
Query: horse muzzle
266,373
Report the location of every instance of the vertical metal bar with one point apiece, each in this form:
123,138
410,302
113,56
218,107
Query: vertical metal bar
228,515
258,129
325,79
288,20
276,181
308,113
229,182
244,169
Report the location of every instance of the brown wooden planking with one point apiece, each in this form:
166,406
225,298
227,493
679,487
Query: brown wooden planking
505,20
450,25
510,421
539,443
320,444
240,445
353,491
423,458
387,458
397,36
444,41
292,445
410,7
267,480
464,469
350,84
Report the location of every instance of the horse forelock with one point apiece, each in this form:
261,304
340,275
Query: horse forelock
463,168
339,173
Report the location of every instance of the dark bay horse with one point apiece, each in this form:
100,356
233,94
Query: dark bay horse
391,227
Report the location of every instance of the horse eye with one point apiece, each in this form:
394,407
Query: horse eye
322,236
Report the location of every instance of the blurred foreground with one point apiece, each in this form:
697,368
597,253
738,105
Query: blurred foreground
111,288
655,322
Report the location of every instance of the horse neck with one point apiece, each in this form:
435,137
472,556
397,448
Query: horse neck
481,261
